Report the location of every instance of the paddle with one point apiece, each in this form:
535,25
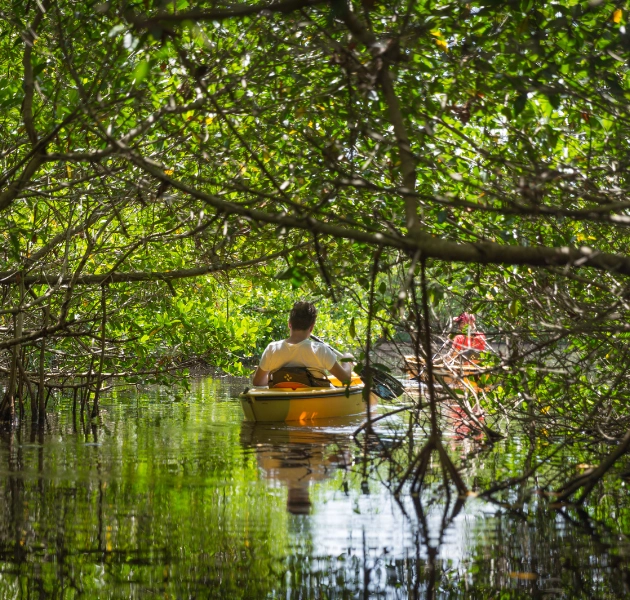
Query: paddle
384,385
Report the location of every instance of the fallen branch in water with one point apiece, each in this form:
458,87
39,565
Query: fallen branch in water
589,479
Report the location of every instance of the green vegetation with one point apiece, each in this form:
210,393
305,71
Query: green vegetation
174,175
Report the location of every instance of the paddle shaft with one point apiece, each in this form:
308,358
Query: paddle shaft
320,341
392,387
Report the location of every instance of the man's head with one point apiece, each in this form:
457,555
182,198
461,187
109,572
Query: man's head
302,317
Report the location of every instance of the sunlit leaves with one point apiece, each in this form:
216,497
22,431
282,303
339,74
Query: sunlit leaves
514,127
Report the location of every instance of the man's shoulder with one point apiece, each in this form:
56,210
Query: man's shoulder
274,346
319,347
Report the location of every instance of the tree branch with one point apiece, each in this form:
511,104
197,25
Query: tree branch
407,160
17,185
136,276
588,480
29,36
243,10
431,247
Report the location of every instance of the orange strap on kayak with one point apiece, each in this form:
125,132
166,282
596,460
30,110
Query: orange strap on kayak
294,385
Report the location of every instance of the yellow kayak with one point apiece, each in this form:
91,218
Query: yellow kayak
303,404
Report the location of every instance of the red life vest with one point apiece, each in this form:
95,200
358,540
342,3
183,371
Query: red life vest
476,341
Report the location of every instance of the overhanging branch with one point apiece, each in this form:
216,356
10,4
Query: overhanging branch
429,246
243,10
136,276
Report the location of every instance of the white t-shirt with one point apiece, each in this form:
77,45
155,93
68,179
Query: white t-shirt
305,354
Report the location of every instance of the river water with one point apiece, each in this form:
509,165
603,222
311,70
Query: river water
174,496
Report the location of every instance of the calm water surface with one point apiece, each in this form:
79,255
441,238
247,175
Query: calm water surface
179,498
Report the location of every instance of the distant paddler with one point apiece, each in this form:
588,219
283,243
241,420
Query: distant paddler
468,343
462,351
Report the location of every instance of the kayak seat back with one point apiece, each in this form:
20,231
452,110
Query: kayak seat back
294,376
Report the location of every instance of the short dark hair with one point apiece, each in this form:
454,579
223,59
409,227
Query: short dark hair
303,315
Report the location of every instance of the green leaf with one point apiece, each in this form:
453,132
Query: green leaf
515,308
141,71
14,238
519,103
554,100
295,275
352,328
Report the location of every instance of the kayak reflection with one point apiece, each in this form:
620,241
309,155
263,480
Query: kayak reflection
295,454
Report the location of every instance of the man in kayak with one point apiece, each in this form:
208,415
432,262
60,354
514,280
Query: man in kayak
298,350
468,343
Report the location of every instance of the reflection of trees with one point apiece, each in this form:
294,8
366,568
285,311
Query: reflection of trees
135,512
519,547
175,499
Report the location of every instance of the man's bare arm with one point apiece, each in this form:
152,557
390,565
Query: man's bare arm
342,371
260,377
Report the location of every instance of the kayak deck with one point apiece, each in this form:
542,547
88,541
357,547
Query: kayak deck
302,404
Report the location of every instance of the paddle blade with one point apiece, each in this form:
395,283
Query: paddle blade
384,385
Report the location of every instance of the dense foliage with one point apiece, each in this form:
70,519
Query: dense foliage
171,173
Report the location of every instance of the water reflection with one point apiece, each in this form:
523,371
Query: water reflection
297,455
181,499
